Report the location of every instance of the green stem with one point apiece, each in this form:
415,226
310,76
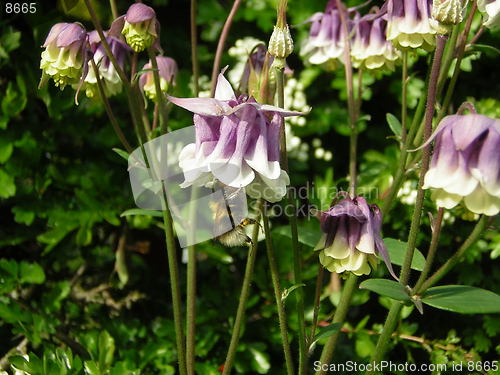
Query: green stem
339,317
460,55
448,55
417,213
245,289
317,302
431,254
277,294
297,257
221,43
174,285
404,105
393,315
194,48
191,310
383,340
160,98
481,225
109,111
114,9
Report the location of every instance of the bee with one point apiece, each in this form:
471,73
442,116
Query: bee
228,208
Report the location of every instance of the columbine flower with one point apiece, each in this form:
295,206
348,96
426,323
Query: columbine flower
140,27
370,48
409,23
352,239
63,57
466,163
107,72
326,37
167,69
491,12
237,143
449,12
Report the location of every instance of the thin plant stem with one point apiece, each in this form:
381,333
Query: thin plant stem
297,257
133,66
431,254
160,98
317,302
460,55
245,290
221,43
191,310
194,48
273,266
174,285
404,104
114,9
155,117
393,315
476,233
448,56
109,111
112,58
429,114
338,317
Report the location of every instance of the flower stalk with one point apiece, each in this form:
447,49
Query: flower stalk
273,267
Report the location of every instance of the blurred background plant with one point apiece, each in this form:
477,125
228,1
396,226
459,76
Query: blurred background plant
84,289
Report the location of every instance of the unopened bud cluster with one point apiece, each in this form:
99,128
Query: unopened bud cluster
280,45
448,12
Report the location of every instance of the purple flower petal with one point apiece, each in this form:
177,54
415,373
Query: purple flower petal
139,12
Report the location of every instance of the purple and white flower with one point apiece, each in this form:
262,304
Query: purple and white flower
167,70
491,12
351,237
370,49
107,72
325,44
63,57
466,163
410,25
237,143
140,27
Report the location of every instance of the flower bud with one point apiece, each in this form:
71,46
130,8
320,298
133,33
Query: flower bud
167,70
448,12
140,27
280,45
63,57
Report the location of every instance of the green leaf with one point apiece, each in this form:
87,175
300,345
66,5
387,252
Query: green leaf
394,124
91,368
260,361
397,251
7,185
462,299
388,288
31,273
106,350
23,216
364,345
488,50
140,211
287,292
326,332
124,154
307,236
6,148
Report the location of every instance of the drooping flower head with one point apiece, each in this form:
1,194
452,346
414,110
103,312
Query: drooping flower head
370,49
491,12
466,163
167,70
237,143
409,23
140,27
325,43
107,72
351,237
63,57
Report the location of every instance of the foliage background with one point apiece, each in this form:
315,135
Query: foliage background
76,276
